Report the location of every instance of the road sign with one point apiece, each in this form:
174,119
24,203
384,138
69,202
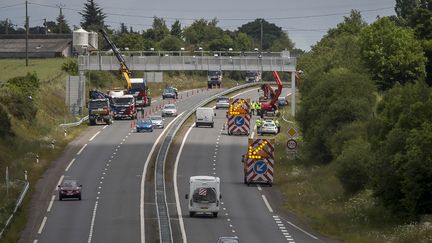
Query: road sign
292,144
239,121
260,167
292,132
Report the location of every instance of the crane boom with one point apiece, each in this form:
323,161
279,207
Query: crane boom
272,104
124,69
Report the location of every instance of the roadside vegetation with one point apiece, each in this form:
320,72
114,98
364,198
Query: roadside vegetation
364,167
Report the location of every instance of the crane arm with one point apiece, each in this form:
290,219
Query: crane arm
124,69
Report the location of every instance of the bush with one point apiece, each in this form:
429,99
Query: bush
353,163
5,124
70,66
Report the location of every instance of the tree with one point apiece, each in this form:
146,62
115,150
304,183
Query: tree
123,28
171,43
201,32
221,44
92,16
242,42
405,8
271,32
176,29
401,137
133,41
392,54
62,25
160,29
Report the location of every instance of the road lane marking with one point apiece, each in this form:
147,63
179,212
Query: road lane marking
35,241
91,139
42,225
51,203
92,222
144,175
259,188
302,230
70,164
59,181
83,147
182,228
267,204
104,127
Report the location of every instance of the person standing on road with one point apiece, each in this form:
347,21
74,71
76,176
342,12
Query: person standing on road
253,107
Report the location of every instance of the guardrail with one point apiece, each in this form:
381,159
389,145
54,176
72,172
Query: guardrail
165,232
17,205
74,124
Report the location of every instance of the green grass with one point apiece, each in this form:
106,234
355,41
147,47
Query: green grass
46,69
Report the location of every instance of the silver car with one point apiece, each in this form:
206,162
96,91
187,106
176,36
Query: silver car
222,102
233,239
157,121
269,128
169,110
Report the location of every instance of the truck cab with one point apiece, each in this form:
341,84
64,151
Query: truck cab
214,78
253,76
139,90
124,107
100,111
204,195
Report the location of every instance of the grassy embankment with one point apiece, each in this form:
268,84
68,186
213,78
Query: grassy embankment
316,196
18,153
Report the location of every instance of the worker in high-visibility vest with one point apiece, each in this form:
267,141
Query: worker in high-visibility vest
277,124
258,109
253,108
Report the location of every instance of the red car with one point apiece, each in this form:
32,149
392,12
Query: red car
69,189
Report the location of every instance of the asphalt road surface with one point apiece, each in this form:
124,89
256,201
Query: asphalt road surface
245,210
110,168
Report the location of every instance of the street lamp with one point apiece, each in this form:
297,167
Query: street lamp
181,50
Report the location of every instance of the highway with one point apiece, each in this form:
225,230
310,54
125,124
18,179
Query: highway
110,167
246,211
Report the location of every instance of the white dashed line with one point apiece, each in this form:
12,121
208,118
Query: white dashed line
267,203
104,127
70,164
42,225
51,203
259,188
91,139
83,147
35,241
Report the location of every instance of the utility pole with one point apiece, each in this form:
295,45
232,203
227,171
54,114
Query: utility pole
7,26
60,5
261,48
27,33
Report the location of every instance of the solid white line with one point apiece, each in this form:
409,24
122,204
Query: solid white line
59,181
50,204
70,163
91,139
42,225
267,204
104,127
92,222
83,147
143,178
182,228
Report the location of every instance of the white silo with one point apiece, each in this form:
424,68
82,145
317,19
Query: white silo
80,40
93,40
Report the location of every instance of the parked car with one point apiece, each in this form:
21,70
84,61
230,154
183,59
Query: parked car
222,102
269,128
233,239
169,110
69,189
169,93
145,125
157,121
282,101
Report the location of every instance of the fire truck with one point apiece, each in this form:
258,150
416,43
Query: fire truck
135,86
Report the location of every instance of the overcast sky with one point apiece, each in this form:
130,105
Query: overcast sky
306,21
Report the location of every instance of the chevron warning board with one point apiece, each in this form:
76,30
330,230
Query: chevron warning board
239,117
259,161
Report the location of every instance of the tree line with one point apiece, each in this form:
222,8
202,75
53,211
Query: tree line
366,107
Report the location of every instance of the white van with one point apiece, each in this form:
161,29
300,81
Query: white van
204,194
204,116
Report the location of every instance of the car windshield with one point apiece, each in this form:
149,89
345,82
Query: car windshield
223,99
156,118
146,121
123,100
214,73
170,90
251,73
204,195
169,107
98,104
70,183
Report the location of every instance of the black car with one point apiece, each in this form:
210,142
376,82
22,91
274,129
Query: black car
169,93
69,189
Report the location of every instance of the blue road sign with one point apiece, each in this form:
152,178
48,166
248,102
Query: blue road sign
260,167
239,121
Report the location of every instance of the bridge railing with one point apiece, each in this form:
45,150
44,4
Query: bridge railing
189,63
